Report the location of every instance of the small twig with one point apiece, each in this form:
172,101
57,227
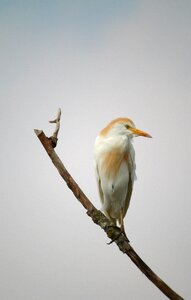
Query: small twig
54,137
98,217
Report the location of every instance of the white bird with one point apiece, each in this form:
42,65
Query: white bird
115,167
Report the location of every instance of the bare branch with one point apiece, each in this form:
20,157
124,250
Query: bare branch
97,216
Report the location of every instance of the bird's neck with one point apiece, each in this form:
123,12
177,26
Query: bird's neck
119,141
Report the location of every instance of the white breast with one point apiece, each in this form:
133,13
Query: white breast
114,185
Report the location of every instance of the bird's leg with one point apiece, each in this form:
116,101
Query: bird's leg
121,227
122,223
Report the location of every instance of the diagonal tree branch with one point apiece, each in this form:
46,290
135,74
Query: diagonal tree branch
97,216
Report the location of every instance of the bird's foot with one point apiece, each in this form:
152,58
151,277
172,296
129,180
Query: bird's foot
117,234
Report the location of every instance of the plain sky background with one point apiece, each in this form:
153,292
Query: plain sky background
97,60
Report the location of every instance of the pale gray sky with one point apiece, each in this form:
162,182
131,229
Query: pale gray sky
97,60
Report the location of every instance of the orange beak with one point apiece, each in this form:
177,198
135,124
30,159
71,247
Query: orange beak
140,132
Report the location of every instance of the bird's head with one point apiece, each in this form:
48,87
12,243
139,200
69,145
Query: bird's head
123,126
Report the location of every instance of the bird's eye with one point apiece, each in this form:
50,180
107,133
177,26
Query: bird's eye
127,126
